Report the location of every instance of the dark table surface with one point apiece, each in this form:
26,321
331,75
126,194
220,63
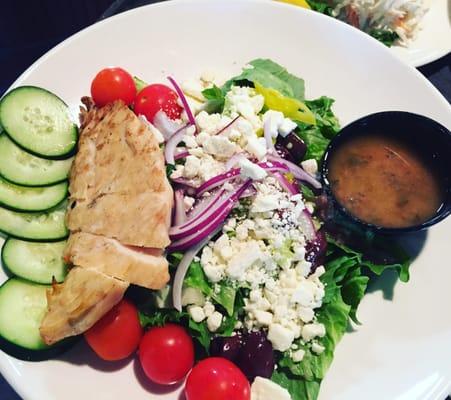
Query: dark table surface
17,51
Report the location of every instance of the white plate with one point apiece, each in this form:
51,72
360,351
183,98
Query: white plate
434,38
402,351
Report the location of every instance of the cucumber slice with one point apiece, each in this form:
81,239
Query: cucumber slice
22,307
33,261
22,198
42,226
38,121
19,167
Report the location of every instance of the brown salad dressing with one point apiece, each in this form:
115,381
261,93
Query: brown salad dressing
383,182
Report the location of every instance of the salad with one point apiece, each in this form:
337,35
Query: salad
265,278
392,22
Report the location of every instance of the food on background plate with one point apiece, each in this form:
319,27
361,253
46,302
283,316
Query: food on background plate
263,282
119,214
392,22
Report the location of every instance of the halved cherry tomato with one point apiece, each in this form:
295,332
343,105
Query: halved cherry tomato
112,84
154,98
217,378
166,354
117,334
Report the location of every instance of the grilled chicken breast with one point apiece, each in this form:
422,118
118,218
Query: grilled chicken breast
78,303
119,215
118,186
143,267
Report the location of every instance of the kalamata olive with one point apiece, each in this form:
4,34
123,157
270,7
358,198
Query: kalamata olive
283,152
256,357
316,250
227,347
294,145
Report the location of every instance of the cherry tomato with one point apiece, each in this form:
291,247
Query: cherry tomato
154,98
112,84
117,334
217,378
166,354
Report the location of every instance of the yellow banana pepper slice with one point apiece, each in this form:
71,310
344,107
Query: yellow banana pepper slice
290,107
300,3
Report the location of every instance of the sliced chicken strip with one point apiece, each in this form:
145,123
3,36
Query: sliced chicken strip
79,302
144,267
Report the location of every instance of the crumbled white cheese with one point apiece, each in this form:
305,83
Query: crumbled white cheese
257,147
317,348
191,167
263,318
297,355
310,166
265,389
196,313
214,321
250,170
280,337
219,146
311,331
286,127
209,309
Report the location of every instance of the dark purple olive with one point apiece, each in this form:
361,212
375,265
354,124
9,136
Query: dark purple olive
294,145
227,347
316,250
256,357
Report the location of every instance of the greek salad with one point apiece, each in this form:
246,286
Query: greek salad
265,277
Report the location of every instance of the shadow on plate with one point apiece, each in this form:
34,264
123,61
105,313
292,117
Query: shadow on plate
152,387
413,244
81,354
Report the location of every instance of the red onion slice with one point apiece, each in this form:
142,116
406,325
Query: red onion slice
191,240
182,269
172,143
165,125
180,153
268,136
306,225
235,172
227,126
179,207
200,221
285,183
297,171
186,106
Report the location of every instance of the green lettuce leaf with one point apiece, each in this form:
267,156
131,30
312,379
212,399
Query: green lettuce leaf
215,99
224,295
317,137
270,75
298,389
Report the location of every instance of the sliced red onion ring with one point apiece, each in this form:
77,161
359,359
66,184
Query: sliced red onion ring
228,125
233,173
268,136
186,106
297,171
232,161
180,153
172,143
219,196
306,225
196,237
179,207
201,220
218,180
165,125
187,183
182,269
202,204
285,183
